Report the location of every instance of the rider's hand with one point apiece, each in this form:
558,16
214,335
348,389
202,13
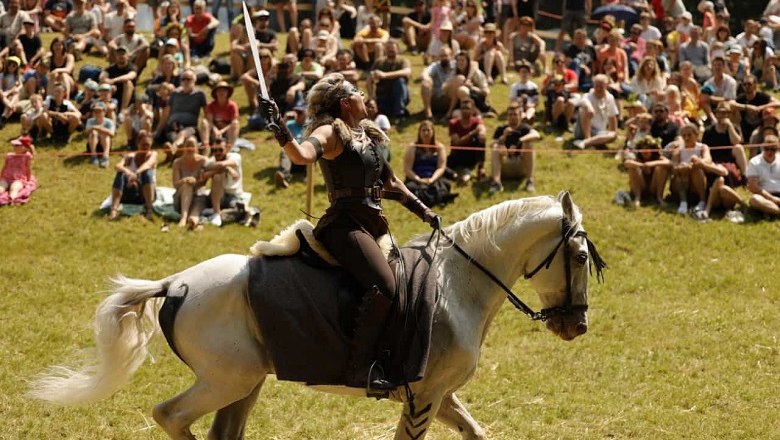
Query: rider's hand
432,219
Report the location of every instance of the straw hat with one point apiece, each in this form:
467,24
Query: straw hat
222,85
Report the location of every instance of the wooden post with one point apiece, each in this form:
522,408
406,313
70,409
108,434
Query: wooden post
309,187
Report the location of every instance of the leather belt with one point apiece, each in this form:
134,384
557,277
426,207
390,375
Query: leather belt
374,193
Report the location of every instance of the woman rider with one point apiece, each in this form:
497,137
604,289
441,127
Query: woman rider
349,147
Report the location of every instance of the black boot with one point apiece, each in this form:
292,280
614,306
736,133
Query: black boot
362,368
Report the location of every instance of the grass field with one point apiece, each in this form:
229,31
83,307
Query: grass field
682,344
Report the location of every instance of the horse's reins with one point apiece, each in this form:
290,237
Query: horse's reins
567,233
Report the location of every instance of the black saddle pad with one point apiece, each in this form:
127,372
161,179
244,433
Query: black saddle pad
306,315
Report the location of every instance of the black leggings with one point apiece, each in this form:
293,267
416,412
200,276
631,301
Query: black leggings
358,252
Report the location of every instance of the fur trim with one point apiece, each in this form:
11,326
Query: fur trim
287,243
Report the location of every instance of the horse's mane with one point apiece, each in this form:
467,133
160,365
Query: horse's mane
492,219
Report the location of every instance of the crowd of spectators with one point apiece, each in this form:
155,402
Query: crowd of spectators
689,97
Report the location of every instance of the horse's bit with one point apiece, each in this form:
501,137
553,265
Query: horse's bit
567,233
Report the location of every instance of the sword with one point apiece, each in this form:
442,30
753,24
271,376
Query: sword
250,33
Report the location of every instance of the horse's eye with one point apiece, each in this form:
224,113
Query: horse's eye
582,258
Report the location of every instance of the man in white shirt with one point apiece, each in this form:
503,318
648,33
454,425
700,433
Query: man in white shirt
763,173
597,121
724,84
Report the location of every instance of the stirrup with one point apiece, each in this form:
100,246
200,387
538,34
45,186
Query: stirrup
378,387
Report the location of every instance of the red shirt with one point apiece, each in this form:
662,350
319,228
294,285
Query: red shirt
224,114
195,25
456,127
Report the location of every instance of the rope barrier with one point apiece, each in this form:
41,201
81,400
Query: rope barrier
560,17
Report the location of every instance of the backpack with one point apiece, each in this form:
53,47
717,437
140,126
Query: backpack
88,71
220,65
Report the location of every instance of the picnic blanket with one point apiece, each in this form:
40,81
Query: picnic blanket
24,194
307,314
163,204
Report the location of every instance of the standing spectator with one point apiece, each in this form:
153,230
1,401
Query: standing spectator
16,178
226,175
505,163
367,44
55,12
390,76
439,85
425,163
286,169
489,53
135,179
647,170
188,180
417,28
135,43
763,175
221,115
122,76
180,119
99,131
201,27
597,122
231,7
575,16
467,131
81,28
292,7
60,117
11,23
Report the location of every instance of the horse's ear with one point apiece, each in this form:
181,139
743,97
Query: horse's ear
567,204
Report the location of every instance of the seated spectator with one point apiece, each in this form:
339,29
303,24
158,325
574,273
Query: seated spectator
32,50
221,115
286,86
162,101
61,65
647,170
135,179
389,78
663,127
171,15
55,12
122,76
439,85
32,120
367,45
506,163
16,178
240,53
380,119
688,169
764,179
346,16
649,83
649,32
736,64
135,44
472,84
169,73
99,131
559,69
345,65
673,100
188,181
425,163
526,45
10,86
597,122
723,133
138,118
467,131
655,50
60,116
105,92
525,92
417,28
226,175
309,69
252,84
724,85
201,27
81,28
325,45
284,174
85,99
114,21
558,105
763,64
177,47
768,126
612,52
468,25
489,53
581,58
11,23
181,118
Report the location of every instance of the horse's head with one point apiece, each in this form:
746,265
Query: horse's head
558,267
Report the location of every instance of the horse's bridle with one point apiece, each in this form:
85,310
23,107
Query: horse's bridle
567,233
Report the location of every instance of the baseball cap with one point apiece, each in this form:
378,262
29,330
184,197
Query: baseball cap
172,42
687,15
99,106
708,89
104,86
22,140
28,21
735,49
91,84
300,107
323,34
261,13
121,48
446,26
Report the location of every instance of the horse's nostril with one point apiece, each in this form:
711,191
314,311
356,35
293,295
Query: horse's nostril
582,328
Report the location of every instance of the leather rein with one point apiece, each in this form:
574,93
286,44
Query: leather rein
567,233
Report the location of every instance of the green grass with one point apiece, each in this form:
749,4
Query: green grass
682,343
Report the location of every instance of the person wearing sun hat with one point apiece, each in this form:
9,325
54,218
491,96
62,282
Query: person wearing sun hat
10,85
221,115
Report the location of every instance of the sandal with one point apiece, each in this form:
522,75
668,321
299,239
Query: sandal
113,215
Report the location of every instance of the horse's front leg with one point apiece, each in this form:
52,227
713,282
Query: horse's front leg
453,414
419,412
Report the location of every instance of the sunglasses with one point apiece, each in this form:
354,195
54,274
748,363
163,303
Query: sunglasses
771,149
187,78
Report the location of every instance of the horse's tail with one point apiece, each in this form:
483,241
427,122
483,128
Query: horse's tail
125,322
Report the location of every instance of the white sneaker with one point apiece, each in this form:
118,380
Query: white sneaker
683,208
216,220
579,143
700,206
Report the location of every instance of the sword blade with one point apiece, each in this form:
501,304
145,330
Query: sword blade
250,33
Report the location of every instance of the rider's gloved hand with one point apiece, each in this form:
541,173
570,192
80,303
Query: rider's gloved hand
432,219
275,122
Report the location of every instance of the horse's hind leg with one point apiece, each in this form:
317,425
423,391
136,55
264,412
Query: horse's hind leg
453,414
230,421
177,414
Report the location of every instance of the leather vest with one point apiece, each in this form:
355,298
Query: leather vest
355,168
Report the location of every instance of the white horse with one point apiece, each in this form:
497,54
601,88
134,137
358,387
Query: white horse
218,337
